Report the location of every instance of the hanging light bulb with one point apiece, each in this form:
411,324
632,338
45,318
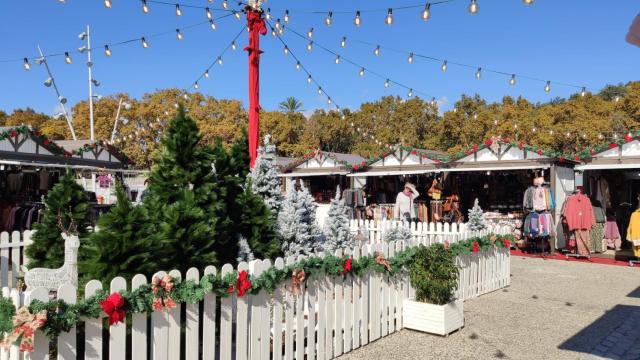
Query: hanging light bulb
357,21
473,7
386,83
178,34
233,45
410,58
145,44
329,19
281,31
298,65
343,42
48,82
145,7
67,58
236,14
337,61
527,2
433,101
600,136
361,73
533,129
286,16
212,25
617,99
26,65
309,79
208,13
410,93
426,13
225,5
278,25
376,52
107,51
107,4
268,16
196,86
475,116
310,46
547,86
389,19
444,66
286,50
62,99
551,132
206,74
310,33
512,81
178,10
319,90
219,60
273,32
583,92
479,73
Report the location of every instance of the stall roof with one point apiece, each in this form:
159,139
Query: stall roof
616,155
319,163
402,160
27,146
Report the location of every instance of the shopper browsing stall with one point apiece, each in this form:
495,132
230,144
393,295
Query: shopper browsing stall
404,208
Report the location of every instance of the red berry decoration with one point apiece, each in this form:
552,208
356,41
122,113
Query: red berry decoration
45,142
356,167
520,146
475,147
37,133
469,152
561,159
488,142
628,138
613,146
14,133
577,158
539,152
414,152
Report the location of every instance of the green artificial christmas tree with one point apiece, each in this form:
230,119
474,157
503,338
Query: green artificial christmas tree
183,200
476,218
123,245
65,203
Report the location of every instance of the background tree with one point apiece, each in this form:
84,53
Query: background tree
66,202
291,105
26,116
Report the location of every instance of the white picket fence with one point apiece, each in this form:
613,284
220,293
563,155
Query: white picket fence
332,316
12,255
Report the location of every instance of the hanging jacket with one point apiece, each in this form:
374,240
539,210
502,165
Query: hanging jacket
633,231
578,213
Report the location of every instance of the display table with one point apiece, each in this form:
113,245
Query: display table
505,224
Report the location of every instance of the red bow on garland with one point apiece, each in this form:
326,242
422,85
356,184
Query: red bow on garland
506,243
25,325
297,278
346,267
114,307
381,260
161,289
475,247
242,284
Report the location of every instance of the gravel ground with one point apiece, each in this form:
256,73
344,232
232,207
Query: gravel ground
552,310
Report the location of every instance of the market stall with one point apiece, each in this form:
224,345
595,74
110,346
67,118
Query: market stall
610,177
321,173
384,176
31,164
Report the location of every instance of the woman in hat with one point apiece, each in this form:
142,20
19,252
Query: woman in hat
404,202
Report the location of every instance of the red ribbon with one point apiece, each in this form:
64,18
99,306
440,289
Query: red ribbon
161,289
114,307
346,267
475,247
243,284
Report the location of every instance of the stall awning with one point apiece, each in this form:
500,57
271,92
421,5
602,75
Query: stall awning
305,174
607,166
394,172
75,167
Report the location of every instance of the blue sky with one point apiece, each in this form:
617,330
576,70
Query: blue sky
570,41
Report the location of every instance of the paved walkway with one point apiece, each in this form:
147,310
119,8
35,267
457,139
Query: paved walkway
552,310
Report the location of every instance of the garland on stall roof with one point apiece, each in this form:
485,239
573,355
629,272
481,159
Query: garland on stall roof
112,149
520,145
166,293
36,136
375,157
589,153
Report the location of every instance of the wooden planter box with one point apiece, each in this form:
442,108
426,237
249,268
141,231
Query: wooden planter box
434,319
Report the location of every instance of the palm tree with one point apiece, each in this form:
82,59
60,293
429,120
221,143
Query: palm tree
291,105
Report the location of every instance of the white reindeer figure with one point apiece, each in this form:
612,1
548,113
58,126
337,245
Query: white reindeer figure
67,274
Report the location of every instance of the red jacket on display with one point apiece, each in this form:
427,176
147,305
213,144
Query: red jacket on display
578,213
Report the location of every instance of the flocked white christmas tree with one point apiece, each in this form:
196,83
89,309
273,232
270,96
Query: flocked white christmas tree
400,233
476,218
264,176
336,226
297,222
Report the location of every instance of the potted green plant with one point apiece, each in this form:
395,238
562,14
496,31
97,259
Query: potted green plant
434,277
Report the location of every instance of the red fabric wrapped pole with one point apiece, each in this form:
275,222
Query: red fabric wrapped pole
257,27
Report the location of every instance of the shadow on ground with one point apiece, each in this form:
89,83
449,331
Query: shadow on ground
608,331
635,293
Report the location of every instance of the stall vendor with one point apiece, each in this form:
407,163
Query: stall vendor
404,209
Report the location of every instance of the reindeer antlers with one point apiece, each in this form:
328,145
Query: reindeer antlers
72,229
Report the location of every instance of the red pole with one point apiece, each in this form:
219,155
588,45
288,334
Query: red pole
257,27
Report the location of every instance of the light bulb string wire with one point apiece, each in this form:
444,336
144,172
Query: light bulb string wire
366,69
186,6
304,68
118,43
373,10
213,63
469,66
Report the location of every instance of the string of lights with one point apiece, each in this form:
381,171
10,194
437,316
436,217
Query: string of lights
444,66
321,90
108,47
178,6
362,69
207,72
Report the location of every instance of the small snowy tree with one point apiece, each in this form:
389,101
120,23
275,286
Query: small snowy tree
297,223
336,227
476,218
264,176
400,233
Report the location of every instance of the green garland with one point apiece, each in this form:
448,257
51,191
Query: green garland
62,317
413,151
36,136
